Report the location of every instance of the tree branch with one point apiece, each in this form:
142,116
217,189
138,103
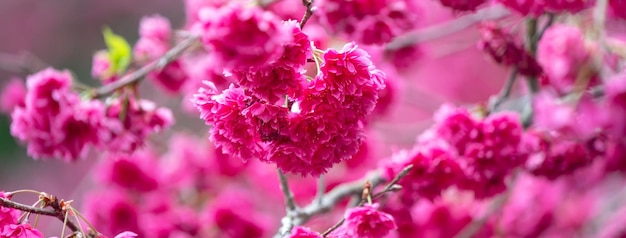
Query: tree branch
392,186
447,28
139,74
308,13
57,212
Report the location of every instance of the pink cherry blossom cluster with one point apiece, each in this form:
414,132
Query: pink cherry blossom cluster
463,151
273,112
369,22
55,122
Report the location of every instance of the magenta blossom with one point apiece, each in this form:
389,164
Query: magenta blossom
368,222
20,231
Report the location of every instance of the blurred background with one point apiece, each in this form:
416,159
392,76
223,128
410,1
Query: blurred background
65,34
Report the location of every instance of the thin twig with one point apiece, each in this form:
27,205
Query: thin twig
447,28
308,13
506,90
284,186
321,189
58,213
391,186
139,74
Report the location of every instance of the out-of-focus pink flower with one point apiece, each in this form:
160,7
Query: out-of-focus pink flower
462,5
54,122
503,49
101,67
243,37
284,77
303,232
563,54
155,27
171,78
435,168
537,7
368,22
20,231
8,216
230,132
234,215
126,234
136,172
112,212
13,95
368,222
141,118
554,156
193,8
617,7
147,49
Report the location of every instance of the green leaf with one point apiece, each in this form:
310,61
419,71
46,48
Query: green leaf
119,51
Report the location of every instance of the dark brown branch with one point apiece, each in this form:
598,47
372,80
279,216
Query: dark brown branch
308,13
57,212
139,74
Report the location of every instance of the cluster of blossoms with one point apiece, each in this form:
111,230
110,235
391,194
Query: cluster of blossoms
502,47
273,112
536,8
368,22
461,151
55,122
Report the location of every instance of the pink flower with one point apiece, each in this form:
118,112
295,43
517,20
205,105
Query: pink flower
303,232
490,148
142,118
503,49
554,156
368,22
20,231
12,95
101,67
570,6
231,132
456,126
243,37
148,49
435,168
154,37
234,215
563,53
54,122
194,7
112,212
463,5
525,7
368,222
8,216
616,7
582,120
171,78
126,234
155,27
136,172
